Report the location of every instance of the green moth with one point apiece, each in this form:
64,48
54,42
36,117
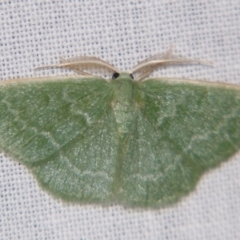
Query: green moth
142,142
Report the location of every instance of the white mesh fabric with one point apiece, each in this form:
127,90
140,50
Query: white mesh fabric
36,33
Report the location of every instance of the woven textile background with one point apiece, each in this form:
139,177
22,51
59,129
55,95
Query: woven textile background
123,32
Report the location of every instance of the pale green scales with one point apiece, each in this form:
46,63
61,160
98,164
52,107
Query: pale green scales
140,143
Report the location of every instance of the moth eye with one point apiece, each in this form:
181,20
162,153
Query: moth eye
115,75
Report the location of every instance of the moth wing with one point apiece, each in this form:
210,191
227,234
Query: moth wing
63,130
181,130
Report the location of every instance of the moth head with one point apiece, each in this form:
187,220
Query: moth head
116,75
